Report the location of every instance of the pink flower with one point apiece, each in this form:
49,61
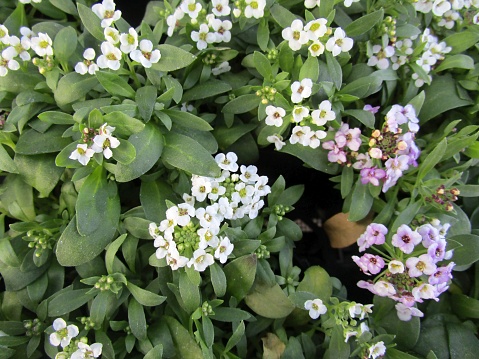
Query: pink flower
406,239
335,154
348,137
372,175
369,263
375,234
405,313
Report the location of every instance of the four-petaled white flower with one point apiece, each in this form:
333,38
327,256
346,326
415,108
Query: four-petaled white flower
146,55
4,37
221,7
111,35
191,8
309,4
87,65
21,47
203,37
295,35
106,12
82,154
348,3
315,307
339,42
110,57
227,161
377,350
63,333
254,8
86,351
42,45
104,143
201,260
323,114
7,61
221,68
274,116
301,90
224,250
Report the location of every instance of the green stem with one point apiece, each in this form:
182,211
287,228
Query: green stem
131,67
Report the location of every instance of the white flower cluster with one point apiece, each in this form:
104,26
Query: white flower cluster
309,129
103,142
209,29
116,44
13,49
448,12
317,35
191,233
63,336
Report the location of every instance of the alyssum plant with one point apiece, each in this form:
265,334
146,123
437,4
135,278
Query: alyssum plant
135,224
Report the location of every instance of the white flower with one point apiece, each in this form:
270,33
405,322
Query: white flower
295,35
249,174
104,143
208,237
405,313
110,57
309,4
172,21
315,307
348,3
106,12
299,113
301,135
315,137
42,44
21,47
221,68
323,114
87,65
277,140
30,1
396,267
261,186
449,19
86,351
377,350
82,154
200,187
381,57
146,55
4,37
274,116
7,61
440,7
301,90
222,30
254,8
228,161
339,42
220,7
208,216
163,246
384,289
316,48
191,8
111,35
181,214
201,260
63,334
203,37
175,260
225,248
316,29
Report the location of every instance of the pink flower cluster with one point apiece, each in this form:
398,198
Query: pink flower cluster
390,151
413,268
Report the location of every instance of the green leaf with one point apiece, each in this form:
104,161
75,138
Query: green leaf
227,314
310,69
361,202
185,344
137,319
39,171
235,337
146,98
464,306
111,252
338,348
6,162
431,160
137,227
188,120
362,87
125,153
463,342
100,307
206,89
317,160
17,198
334,69
218,280
173,58
91,21
66,6
73,87
317,281
56,117
149,146
468,252
114,84
291,195
365,117
208,331
364,23
32,142
186,154
282,15
459,61
68,301
155,353
263,34
227,136
242,104
418,101
240,274
269,302
441,96
153,196
65,43
145,297
124,125
262,65
461,41
189,292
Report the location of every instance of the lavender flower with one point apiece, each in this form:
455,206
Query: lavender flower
406,239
